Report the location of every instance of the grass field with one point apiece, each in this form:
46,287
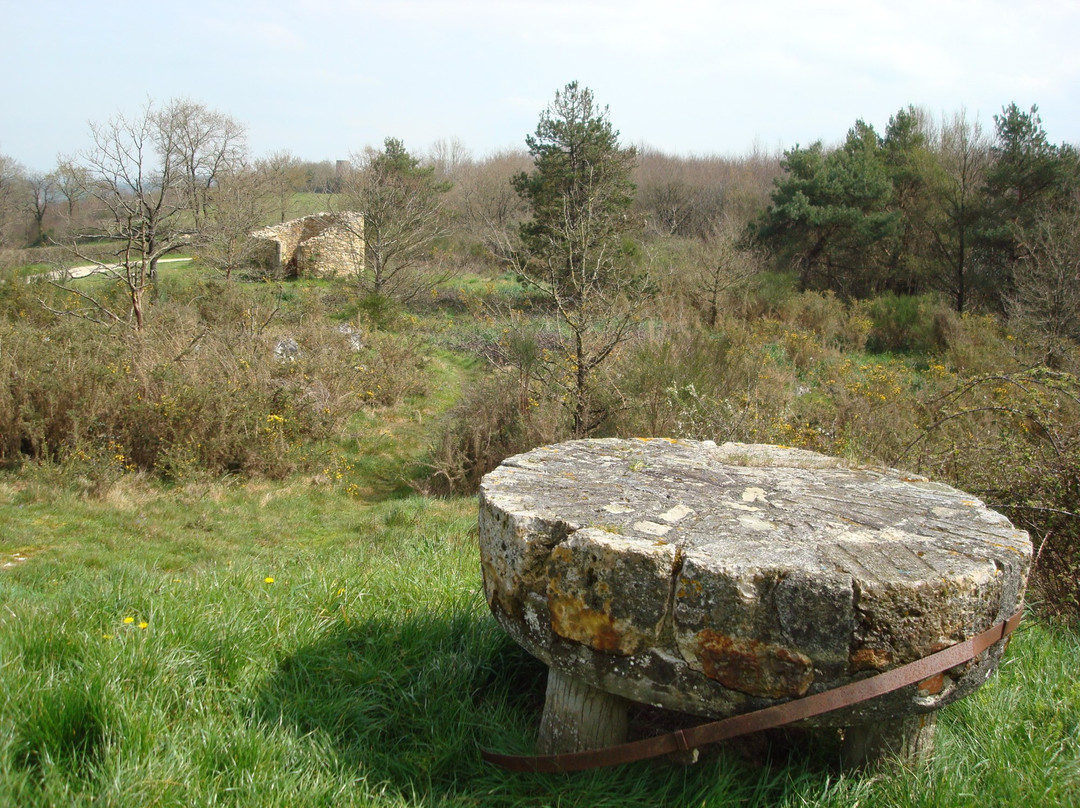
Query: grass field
285,644
317,636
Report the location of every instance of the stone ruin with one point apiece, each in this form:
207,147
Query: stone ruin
319,245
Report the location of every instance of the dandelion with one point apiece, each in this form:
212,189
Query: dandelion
143,624
268,579
129,620
106,636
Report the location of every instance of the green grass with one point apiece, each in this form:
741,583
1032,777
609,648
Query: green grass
306,203
323,640
146,659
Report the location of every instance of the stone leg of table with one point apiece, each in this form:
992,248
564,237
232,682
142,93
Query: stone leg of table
578,716
908,739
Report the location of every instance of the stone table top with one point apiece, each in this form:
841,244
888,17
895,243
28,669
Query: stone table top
713,579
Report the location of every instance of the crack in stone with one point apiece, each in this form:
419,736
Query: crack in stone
667,624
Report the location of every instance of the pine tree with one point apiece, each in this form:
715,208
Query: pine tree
573,248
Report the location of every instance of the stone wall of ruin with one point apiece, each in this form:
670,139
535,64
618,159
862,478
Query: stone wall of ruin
320,245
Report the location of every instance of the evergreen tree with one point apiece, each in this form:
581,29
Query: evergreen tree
579,193
831,214
573,247
1028,178
909,165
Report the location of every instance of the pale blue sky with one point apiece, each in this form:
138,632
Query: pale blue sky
323,78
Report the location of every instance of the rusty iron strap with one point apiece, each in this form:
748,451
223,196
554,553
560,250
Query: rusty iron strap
789,712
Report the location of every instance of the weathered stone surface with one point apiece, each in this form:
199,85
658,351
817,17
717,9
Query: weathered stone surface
717,579
320,245
609,593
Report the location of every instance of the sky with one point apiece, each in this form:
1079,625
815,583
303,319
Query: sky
325,78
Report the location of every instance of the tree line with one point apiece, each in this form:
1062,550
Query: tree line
931,206
985,219
198,160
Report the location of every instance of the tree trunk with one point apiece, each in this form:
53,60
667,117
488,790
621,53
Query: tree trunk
580,404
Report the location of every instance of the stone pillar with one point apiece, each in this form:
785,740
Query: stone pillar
908,740
578,716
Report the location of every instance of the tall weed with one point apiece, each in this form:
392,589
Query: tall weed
200,390
684,381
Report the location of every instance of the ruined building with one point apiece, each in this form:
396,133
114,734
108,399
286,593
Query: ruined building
320,245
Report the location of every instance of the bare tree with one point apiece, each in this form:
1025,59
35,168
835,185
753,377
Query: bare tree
239,202
1047,277
490,207
687,195
133,173
71,182
40,194
205,144
722,264
284,175
448,158
403,217
12,177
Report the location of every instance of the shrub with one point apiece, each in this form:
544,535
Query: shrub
489,424
906,323
835,323
977,344
1014,440
769,295
220,393
684,382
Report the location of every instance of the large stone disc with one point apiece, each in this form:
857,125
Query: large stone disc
718,579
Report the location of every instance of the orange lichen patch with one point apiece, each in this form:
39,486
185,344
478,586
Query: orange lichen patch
573,620
499,597
754,667
866,659
932,686
561,552
688,587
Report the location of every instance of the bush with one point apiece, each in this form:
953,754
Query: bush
906,323
488,425
836,324
1014,440
224,388
770,294
977,344
686,382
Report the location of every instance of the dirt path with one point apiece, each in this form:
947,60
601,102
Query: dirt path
90,269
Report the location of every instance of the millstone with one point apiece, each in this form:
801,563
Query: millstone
715,580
